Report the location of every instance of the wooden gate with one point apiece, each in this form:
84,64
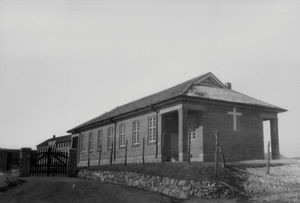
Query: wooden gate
49,162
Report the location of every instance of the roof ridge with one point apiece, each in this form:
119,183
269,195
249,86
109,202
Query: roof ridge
190,80
186,86
195,80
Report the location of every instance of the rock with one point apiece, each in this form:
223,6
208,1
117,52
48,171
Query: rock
166,181
182,189
154,189
187,187
160,189
183,195
182,182
172,181
166,191
135,184
200,194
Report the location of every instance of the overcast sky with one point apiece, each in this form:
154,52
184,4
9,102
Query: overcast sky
64,62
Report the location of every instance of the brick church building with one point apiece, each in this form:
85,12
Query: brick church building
178,122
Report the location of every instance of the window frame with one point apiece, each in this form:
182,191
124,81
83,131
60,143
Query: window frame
99,140
110,143
122,135
136,133
152,129
90,141
82,142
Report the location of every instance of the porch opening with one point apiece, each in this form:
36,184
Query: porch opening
267,137
170,146
271,134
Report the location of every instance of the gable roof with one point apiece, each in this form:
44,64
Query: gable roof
227,95
217,91
61,139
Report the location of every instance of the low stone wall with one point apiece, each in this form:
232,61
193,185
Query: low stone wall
181,189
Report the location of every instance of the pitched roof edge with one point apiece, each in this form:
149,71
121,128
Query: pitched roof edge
50,139
277,109
281,110
202,77
124,114
187,86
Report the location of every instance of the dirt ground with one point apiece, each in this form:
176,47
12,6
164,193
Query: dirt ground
64,190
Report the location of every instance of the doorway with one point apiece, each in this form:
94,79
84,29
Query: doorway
170,146
75,143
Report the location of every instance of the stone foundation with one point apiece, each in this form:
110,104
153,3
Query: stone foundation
181,189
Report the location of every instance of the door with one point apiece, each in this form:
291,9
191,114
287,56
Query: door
75,142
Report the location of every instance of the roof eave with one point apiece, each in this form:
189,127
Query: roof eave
276,109
171,100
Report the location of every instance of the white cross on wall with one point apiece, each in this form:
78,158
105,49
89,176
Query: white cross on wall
234,113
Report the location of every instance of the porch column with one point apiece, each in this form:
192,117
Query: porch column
182,134
274,138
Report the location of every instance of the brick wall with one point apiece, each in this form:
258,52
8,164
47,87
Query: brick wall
134,152
9,159
244,144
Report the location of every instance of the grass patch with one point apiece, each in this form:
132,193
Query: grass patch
7,181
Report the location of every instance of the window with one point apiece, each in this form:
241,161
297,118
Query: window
99,141
192,132
109,138
136,132
91,143
192,126
82,147
122,134
152,129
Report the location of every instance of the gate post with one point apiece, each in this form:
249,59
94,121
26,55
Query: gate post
25,156
72,163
